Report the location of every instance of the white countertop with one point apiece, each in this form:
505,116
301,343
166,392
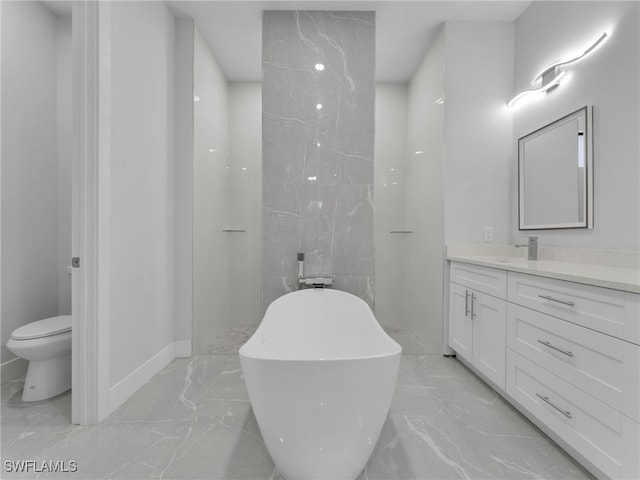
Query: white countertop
618,278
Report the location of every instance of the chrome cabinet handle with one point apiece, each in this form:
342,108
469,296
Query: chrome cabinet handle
473,313
466,303
564,302
233,230
548,344
566,413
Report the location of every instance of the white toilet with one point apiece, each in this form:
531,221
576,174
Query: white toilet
46,344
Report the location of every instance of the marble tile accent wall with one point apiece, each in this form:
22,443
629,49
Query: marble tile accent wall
318,140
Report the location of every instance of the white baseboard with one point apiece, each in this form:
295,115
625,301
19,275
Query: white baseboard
14,368
121,391
183,348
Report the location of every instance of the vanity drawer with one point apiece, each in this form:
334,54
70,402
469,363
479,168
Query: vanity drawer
603,366
613,312
605,437
483,279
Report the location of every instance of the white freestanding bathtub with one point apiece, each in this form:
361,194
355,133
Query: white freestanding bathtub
320,372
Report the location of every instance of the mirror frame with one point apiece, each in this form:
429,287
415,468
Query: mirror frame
587,207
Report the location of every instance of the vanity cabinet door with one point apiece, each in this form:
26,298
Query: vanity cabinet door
477,330
489,318
460,326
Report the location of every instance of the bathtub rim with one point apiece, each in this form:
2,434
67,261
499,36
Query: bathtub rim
395,347
322,360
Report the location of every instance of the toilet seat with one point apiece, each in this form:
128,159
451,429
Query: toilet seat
43,328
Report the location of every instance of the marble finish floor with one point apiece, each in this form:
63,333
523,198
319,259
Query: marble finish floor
194,421
229,341
408,340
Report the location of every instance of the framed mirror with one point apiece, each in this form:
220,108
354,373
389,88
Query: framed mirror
555,174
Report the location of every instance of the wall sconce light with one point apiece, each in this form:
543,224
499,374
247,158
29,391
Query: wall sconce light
550,77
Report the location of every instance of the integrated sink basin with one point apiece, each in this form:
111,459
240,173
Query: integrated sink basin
504,260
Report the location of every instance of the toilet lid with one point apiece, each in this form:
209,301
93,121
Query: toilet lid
43,328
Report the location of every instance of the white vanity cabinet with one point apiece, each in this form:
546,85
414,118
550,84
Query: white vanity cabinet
477,329
573,364
568,357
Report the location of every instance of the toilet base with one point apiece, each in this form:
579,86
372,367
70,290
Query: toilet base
47,378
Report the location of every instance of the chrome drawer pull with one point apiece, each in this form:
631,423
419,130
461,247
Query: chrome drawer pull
466,303
547,344
473,313
564,302
566,413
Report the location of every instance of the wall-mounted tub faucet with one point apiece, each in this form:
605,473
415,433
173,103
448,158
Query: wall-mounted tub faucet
532,248
300,267
315,282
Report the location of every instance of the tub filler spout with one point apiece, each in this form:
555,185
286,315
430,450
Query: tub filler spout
315,282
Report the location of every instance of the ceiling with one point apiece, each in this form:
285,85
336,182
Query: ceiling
404,29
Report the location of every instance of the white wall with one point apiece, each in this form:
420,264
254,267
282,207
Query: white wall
226,152
245,202
425,199
409,197
2,334
63,118
478,130
29,167
390,203
456,171
608,80
184,186
210,199
226,186
141,326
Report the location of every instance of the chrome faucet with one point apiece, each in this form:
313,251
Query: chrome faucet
300,268
315,282
532,248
